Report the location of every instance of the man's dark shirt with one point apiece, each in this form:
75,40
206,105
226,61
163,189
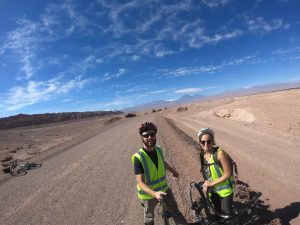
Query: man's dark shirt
138,167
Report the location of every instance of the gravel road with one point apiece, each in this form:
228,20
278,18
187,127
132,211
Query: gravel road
93,182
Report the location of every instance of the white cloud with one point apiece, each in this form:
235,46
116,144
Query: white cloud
137,89
29,38
260,25
189,71
288,53
188,90
108,76
215,3
21,43
251,59
160,51
119,103
199,38
117,27
147,23
135,57
149,39
39,91
61,20
157,92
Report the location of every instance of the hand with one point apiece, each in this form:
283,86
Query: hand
159,194
207,184
175,174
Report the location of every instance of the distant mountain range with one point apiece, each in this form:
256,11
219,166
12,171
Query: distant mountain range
22,120
197,97
162,103
37,119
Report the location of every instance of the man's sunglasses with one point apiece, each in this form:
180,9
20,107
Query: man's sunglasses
207,142
148,135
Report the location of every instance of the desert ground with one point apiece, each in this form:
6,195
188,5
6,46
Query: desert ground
87,177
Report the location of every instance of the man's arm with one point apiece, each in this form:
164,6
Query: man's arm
146,188
172,170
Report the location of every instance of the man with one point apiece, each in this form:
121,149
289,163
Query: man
150,170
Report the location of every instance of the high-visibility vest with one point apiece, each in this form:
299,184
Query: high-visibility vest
224,188
154,177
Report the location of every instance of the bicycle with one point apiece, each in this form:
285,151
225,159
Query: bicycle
205,212
30,166
16,169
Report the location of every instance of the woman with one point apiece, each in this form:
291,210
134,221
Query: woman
217,172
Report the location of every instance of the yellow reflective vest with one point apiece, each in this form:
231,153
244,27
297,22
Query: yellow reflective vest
154,177
224,188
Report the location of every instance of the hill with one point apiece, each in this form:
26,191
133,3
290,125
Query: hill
22,120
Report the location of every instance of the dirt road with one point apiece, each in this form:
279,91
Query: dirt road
90,183
93,182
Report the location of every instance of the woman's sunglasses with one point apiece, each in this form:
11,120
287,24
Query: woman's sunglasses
148,135
207,142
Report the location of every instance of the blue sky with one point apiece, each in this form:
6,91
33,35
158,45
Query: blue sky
76,55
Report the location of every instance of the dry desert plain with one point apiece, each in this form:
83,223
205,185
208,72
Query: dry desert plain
87,177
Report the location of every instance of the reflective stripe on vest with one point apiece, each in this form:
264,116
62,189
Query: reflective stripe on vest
156,189
146,170
158,182
224,188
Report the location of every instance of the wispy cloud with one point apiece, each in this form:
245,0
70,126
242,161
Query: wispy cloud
251,59
188,90
199,38
158,24
215,3
26,42
288,53
260,25
188,71
39,91
118,28
136,89
108,76
146,93
61,20
119,103
197,70
134,31
21,43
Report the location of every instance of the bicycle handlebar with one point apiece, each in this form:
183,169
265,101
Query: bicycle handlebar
200,184
162,198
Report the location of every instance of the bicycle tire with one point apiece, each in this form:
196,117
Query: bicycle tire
18,172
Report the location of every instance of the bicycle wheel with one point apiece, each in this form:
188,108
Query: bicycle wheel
18,172
32,166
